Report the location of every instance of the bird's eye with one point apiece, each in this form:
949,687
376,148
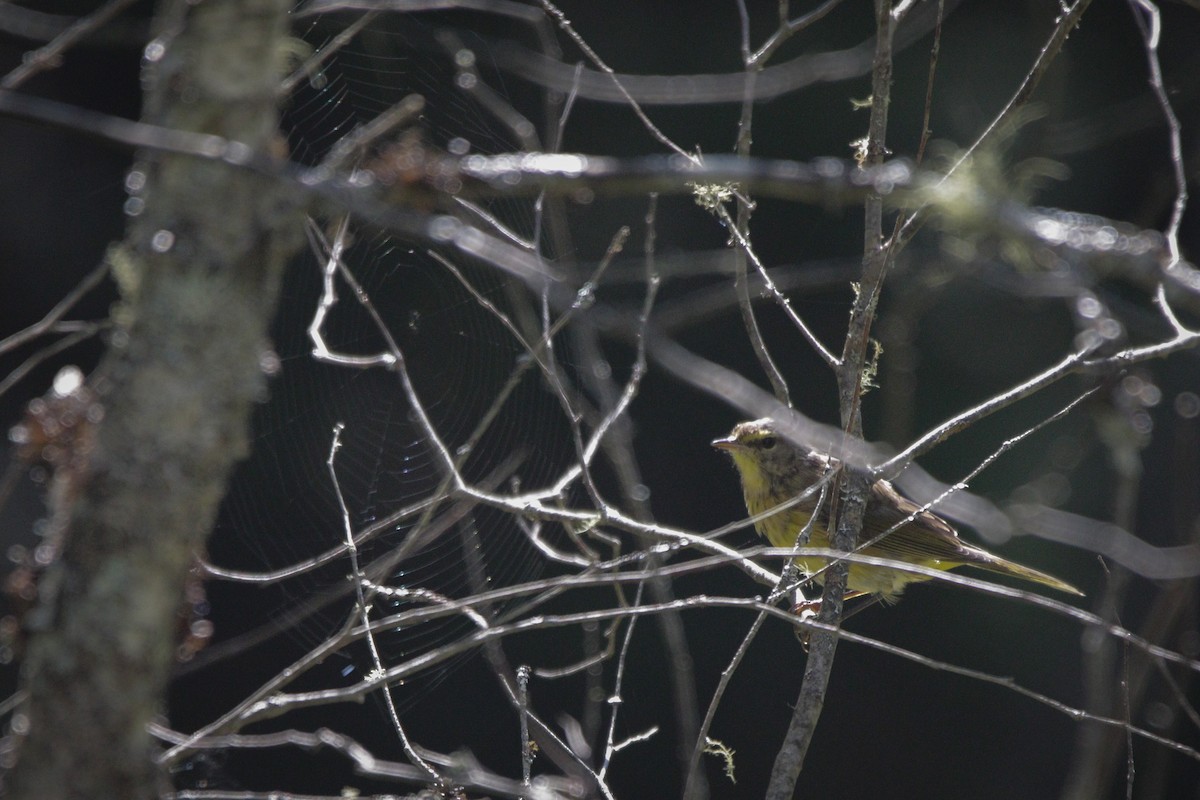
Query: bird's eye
768,442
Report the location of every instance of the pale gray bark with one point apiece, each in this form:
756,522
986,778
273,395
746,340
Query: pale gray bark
200,271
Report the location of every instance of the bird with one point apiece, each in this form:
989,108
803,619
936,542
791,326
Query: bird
774,470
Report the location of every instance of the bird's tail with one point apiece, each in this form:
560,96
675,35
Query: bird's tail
1006,567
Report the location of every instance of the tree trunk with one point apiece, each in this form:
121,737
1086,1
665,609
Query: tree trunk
199,273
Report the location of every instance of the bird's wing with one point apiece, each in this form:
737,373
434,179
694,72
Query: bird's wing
927,537
932,541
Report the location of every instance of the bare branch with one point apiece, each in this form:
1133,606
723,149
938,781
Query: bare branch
50,55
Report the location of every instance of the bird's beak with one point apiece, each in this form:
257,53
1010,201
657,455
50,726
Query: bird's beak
728,443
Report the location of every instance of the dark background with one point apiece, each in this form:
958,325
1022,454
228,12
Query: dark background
889,726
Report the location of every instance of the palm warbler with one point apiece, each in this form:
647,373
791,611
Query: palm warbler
774,471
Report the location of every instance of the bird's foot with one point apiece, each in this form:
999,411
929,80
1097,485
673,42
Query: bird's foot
805,611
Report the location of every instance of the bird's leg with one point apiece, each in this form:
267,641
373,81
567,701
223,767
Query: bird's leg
807,610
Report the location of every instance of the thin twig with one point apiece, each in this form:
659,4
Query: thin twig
279,703
50,55
741,228
363,609
934,50
1058,37
321,351
781,299
782,588
962,485
614,698
54,316
78,333
559,17
309,69
355,143
787,29
1151,34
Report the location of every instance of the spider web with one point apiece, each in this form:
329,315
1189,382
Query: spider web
282,508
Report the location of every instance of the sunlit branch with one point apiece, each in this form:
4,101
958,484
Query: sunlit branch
52,322
615,700
321,351
362,610
1151,35
469,775
50,55
787,28
782,588
311,67
744,244
1076,714
75,333
354,144
745,207
561,19
273,705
